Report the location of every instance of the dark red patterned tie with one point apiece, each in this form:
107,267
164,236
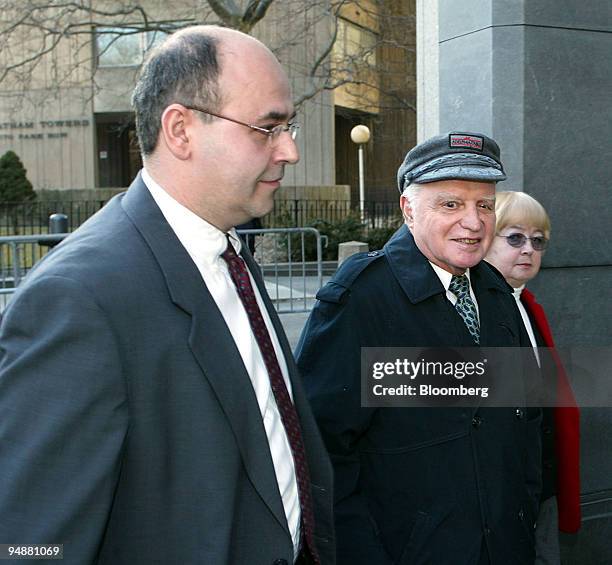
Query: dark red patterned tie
289,417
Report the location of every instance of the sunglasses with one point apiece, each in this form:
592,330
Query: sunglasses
539,242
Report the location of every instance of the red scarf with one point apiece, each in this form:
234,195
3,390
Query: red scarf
567,429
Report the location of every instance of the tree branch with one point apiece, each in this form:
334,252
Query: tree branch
35,28
227,11
256,10
323,56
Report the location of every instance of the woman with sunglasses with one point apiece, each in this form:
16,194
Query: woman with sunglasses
522,233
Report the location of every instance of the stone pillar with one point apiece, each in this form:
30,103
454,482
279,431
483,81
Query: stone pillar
537,76
428,88
348,248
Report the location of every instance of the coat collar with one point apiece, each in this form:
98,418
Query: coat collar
416,276
211,341
419,282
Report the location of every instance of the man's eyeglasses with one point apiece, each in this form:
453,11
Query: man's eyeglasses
539,242
272,133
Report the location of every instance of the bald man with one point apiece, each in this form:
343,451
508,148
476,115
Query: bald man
150,406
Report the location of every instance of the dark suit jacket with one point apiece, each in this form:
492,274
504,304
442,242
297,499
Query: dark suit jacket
129,429
419,485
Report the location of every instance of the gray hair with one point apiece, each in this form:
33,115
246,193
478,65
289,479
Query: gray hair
411,193
185,70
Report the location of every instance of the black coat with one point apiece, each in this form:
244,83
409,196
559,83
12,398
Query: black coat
419,485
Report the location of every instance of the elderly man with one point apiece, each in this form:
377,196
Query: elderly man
151,410
425,485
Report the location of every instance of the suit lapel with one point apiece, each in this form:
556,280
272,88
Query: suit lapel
211,343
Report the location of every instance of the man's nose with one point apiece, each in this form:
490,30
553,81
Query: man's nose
471,219
286,149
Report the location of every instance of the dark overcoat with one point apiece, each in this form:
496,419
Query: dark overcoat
419,485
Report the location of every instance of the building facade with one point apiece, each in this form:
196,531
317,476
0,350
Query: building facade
67,112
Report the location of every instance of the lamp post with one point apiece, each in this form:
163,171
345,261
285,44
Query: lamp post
361,135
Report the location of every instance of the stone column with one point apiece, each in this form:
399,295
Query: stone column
537,76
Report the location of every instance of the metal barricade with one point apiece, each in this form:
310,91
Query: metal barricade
290,260
18,254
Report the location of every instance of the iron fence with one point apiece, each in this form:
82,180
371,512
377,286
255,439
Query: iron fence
31,218
300,213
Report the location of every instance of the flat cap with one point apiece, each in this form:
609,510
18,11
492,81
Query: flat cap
455,155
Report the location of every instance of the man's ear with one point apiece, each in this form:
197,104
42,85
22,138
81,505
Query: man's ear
407,211
174,130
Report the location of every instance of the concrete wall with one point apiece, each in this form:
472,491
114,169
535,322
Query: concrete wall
53,134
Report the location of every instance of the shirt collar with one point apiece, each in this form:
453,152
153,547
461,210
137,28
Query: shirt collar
446,277
517,292
202,240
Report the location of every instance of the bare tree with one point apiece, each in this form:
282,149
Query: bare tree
78,54
64,37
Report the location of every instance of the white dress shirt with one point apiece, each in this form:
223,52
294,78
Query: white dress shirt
446,277
526,321
205,244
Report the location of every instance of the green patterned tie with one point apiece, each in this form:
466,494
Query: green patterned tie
460,287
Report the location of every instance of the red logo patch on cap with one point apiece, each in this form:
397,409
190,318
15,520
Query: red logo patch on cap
469,141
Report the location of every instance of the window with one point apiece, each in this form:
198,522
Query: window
125,46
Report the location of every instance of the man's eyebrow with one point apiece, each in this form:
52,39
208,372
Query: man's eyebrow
278,116
446,196
457,197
